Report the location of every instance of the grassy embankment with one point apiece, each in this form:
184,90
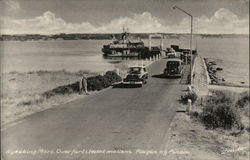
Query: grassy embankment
218,125
26,93
217,128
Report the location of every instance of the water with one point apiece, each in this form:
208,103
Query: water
54,55
232,54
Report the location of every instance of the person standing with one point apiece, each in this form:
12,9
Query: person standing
83,85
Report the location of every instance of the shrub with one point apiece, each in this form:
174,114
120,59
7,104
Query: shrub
223,97
61,90
100,82
94,83
221,115
189,95
111,77
243,100
220,111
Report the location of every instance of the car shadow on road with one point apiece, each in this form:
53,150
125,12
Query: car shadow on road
164,77
120,85
181,111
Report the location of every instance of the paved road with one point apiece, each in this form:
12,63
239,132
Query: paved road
124,120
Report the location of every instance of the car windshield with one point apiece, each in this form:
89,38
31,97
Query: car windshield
135,70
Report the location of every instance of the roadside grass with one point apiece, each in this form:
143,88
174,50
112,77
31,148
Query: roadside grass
188,134
210,139
224,109
220,111
26,93
243,100
189,95
226,114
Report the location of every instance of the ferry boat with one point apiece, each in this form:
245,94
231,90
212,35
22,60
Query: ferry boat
125,47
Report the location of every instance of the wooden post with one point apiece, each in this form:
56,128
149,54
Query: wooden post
189,107
149,43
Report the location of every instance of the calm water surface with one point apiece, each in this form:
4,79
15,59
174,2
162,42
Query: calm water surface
230,53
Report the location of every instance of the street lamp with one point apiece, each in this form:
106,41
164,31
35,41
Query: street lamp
191,38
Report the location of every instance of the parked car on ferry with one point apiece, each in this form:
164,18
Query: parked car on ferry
136,75
174,67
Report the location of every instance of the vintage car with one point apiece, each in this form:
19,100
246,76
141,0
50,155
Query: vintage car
136,75
171,55
174,67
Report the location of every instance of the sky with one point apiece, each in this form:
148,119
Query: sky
110,16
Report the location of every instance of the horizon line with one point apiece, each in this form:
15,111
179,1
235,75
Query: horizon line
132,33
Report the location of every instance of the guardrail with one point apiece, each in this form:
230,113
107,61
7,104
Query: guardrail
200,76
205,66
192,71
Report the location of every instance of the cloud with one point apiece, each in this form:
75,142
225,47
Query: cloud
48,23
223,21
12,4
144,22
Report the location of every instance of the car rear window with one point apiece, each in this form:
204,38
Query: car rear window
135,70
173,63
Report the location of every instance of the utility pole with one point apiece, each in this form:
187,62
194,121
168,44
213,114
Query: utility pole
191,40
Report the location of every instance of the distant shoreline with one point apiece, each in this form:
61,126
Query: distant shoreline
107,36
